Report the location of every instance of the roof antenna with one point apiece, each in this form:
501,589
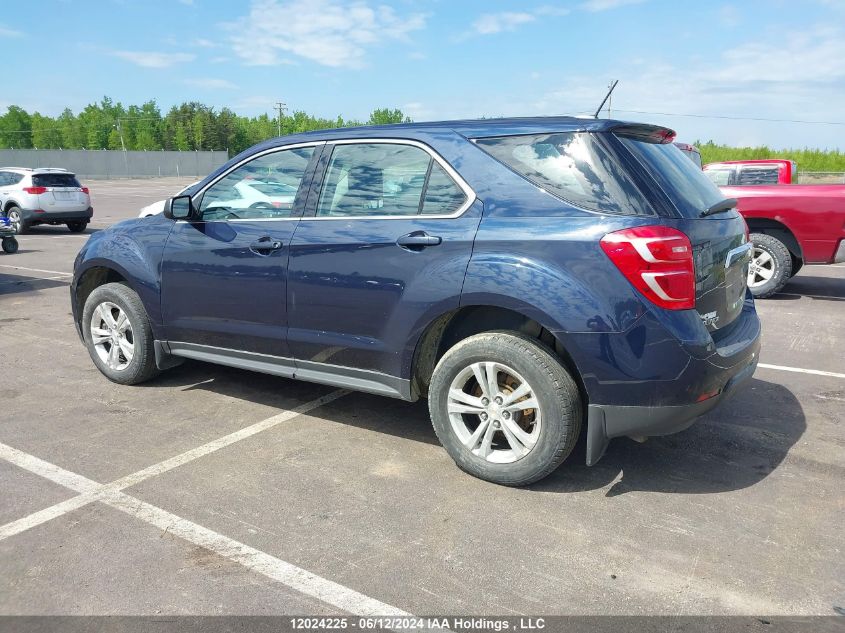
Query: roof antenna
606,97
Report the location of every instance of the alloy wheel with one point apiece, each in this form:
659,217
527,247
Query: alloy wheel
761,268
494,412
111,335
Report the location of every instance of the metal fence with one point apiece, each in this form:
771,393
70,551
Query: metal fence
117,164
820,177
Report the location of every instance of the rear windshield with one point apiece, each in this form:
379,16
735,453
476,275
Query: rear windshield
54,180
767,175
574,166
689,189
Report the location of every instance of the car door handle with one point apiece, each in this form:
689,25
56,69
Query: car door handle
265,246
418,240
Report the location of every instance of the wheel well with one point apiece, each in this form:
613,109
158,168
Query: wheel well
94,278
8,205
779,231
452,327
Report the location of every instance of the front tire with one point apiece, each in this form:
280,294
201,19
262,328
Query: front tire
118,335
770,267
504,408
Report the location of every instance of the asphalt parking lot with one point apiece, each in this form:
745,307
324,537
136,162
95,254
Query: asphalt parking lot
217,491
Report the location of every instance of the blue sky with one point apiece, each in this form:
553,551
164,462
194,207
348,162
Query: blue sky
439,59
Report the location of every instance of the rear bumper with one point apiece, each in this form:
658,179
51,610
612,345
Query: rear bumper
30,216
671,383
605,422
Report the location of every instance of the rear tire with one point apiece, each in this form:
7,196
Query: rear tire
10,245
504,441
77,226
16,219
770,267
118,335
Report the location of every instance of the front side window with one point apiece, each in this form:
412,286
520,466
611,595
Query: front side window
386,179
574,166
263,188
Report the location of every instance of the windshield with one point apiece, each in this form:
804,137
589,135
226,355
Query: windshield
686,185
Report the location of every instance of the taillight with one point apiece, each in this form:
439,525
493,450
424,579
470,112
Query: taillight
35,190
657,260
84,189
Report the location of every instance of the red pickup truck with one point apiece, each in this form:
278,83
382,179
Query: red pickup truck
790,225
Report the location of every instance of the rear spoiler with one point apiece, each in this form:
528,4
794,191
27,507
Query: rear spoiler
644,132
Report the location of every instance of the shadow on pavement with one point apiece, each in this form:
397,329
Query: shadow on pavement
733,447
15,284
821,288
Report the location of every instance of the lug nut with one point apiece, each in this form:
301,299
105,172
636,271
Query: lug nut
506,415
484,416
499,400
496,424
485,401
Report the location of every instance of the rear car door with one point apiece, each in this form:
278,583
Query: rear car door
385,246
223,277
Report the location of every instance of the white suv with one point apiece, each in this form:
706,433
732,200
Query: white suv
43,195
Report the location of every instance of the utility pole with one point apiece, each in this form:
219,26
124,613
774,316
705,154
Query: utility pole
280,106
606,98
120,132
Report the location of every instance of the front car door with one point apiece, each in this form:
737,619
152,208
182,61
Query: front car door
382,252
223,277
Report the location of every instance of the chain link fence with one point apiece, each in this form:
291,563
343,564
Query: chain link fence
116,163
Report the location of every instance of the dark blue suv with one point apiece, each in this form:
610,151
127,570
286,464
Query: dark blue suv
530,277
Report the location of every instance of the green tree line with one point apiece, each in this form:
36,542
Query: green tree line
807,159
189,126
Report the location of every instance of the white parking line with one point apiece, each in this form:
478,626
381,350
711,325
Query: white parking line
36,270
815,372
274,568
92,490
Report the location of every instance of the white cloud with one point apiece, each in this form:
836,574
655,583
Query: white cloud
211,84
152,59
329,32
203,43
605,5
490,23
5,31
797,76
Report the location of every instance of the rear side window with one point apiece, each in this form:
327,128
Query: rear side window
386,179
54,180
720,177
686,185
574,166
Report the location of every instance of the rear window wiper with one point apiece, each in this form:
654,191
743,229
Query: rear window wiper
723,205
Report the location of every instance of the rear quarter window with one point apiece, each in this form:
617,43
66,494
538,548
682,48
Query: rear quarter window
574,166
55,180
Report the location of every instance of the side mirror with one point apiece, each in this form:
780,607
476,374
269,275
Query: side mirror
179,208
